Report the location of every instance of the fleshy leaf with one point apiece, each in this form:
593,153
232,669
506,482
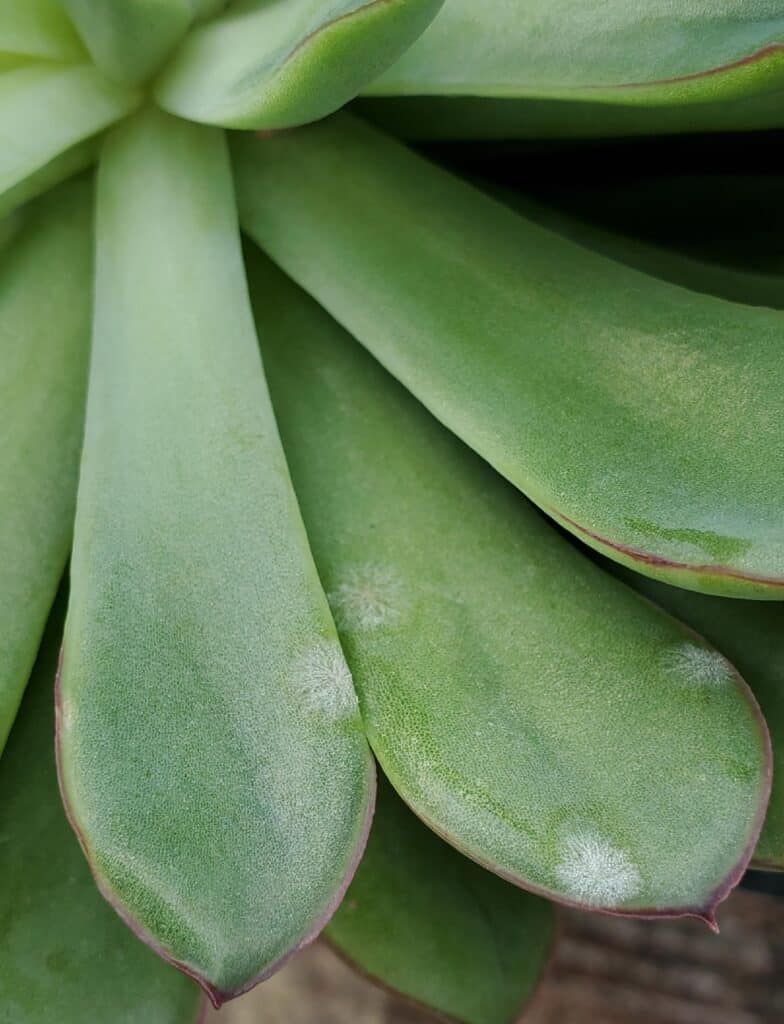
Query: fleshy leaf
44,112
212,754
129,39
65,954
532,710
37,29
641,416
678,68
273,65
752,635
432,925
45,275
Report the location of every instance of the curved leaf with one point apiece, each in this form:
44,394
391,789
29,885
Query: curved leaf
212,755
44,112
752,635
273,64
532,710
647,54
641,416
428,923
64,953
129,39
38,29
45,277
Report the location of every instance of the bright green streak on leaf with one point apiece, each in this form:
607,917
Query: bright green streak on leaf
647,52
431,924
273,65
65,954
38,29
129,39
44,334
534,711
752,635
212,752
642,416
45,111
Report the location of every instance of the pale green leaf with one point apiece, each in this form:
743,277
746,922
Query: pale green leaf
45,274
535,712
44,112
65,954
269,64
212,753
641,416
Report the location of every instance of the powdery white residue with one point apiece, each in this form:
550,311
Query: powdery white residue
696,664
593,871
324,679
368,596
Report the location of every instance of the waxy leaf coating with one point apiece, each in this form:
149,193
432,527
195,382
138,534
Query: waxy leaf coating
429,923
641,416
211,751
271,65
532,710
575,67
45,287
65,955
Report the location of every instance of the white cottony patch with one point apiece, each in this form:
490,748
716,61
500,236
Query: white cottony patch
324,679
697,664
593,871
367,597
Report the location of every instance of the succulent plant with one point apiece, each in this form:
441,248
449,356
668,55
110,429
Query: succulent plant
499,440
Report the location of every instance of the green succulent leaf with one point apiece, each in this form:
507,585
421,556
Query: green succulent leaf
45,111
64,952
273,65
129,39
690,66
212,754
752,635
45,280
432,925
533,711
37,29
641,416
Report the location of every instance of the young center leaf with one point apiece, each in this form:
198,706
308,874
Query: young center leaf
273,65
45,281
211,752
64,952
574,67
46,112
427,922
641,416
532,710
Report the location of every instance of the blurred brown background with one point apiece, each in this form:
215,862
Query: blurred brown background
605,971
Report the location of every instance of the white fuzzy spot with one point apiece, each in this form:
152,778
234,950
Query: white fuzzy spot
324,679
593,871
697,664
66,714
369,596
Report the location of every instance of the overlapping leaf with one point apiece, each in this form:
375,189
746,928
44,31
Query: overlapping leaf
430,924
641,416
64,953
212,755
532,710
612,68
275,64
37,29
46,111
45,283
